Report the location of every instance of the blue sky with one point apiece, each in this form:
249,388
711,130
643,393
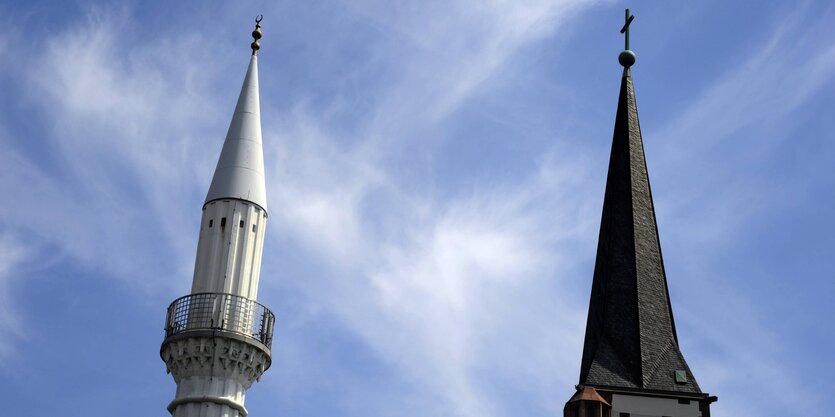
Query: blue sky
435,173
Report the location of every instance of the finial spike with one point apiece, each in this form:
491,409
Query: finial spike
256,35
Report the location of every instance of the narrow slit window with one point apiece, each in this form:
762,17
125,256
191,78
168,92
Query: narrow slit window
253,228
223,222
211,221
242,224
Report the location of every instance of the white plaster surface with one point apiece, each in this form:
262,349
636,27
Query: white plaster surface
229,256
212,375
195,398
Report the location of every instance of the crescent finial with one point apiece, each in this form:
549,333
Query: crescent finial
256,35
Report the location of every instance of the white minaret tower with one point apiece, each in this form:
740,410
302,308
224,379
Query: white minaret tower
218,337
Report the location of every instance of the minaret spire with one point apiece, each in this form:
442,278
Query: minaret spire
631,361
240,168
218,338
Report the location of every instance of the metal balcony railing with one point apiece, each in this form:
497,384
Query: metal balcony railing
226,312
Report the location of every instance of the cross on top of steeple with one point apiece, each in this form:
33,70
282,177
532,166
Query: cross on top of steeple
625,28
627,57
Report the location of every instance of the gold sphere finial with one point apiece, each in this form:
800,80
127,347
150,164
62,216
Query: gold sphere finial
256,34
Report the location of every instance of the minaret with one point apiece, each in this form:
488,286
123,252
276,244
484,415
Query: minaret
632,364
218,337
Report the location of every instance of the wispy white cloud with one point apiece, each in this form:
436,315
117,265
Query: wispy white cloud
120,146
793,64
12,253
449,50
319,187
441,287
456,296
448,296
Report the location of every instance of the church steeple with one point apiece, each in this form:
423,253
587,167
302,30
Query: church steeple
631,344
630,334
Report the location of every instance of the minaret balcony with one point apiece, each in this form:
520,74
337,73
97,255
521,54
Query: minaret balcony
219,314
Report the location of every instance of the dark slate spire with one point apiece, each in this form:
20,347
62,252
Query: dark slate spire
630,333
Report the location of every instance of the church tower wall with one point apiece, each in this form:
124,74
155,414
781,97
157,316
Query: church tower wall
644,406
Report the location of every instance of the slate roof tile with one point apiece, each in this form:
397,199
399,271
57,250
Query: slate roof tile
630,338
